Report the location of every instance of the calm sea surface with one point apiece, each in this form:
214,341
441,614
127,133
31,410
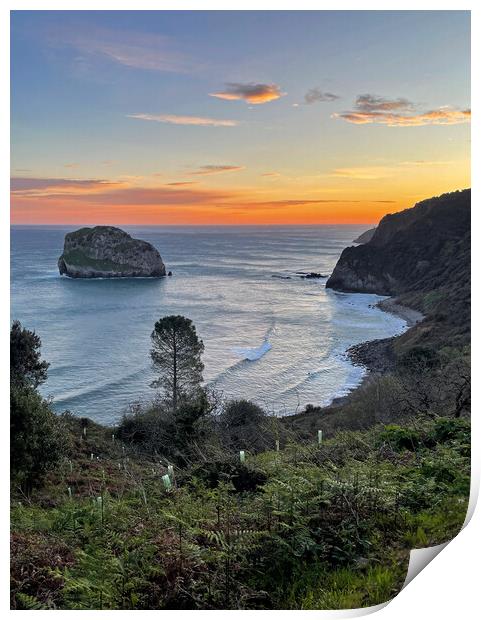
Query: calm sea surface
280,342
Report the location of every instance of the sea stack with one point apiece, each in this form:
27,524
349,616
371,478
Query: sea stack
108,252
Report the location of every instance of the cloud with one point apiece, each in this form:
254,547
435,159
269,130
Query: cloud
182,183
271,174
72,165
441,116
363,173
162,204
175,119
30,185
370,173
424,162
374,103
375,110
210,169
98,192
139,50
251,92
315,95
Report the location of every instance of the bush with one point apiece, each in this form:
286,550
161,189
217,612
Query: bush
400,438
37,438
451,428
243,426
176,435
244,477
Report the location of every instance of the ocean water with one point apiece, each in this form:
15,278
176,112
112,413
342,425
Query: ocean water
269,335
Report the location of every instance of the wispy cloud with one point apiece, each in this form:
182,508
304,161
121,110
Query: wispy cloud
33,185
175,119
251,92
271,174
424,162
369,173
374,103
111,202
441,116
363,173
316,95
139,50
98,192
375,110
217,169
183,183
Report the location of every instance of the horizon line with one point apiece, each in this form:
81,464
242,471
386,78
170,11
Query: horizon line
12,225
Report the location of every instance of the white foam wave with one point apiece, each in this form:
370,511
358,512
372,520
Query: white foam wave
253,354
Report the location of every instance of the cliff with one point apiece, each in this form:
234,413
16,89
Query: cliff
365,237
422,256
108,252
415,249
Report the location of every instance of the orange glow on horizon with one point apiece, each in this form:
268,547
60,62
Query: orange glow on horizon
329,214
66,201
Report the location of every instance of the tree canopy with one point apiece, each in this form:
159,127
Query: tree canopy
176,355
26,365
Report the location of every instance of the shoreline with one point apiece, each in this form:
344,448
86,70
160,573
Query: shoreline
411,316
375,356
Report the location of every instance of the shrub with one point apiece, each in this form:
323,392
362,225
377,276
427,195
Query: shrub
243,426
178,435
451,428
400,438
37,438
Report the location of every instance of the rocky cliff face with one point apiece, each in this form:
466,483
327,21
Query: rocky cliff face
366,236
417,249
108,252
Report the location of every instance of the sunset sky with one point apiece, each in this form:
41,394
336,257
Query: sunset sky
236,117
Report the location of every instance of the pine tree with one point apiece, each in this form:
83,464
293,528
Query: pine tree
176,355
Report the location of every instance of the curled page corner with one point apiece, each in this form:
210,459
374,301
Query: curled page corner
420,558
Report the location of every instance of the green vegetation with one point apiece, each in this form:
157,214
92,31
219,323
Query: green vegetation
36,439
310,526
77,258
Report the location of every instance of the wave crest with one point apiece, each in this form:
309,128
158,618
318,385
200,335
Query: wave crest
253,354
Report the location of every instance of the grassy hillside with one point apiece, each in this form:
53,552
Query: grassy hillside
307,527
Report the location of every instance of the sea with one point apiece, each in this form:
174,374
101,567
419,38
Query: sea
270,335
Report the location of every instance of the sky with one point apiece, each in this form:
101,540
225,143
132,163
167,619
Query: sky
236,117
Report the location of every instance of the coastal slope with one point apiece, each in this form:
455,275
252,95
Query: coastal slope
413,249
108,252
420,256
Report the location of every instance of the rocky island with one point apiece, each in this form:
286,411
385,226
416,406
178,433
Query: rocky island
108,252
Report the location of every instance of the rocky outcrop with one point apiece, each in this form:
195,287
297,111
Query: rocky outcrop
108,252
366,236
422,248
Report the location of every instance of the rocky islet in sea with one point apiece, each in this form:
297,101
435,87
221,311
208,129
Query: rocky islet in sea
108,252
